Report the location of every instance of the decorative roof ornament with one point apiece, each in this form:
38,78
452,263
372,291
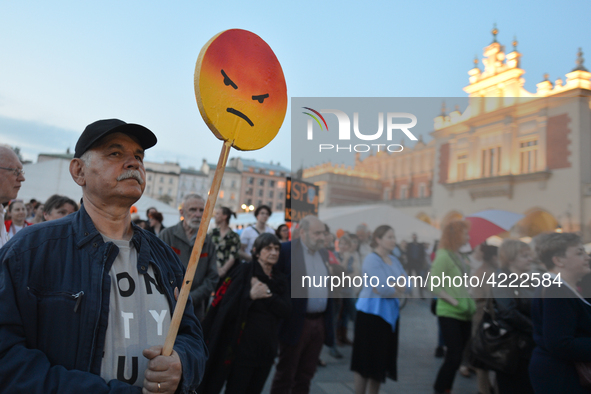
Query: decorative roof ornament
515,44
475,61
580,60
443,108
494,32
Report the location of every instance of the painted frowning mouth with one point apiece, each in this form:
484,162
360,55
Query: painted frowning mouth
241,115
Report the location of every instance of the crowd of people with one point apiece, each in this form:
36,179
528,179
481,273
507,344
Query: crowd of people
86,300
20,214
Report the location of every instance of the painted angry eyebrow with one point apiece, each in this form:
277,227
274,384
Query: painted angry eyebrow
261,97
228,81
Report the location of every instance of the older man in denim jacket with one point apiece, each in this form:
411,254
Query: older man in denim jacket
86,300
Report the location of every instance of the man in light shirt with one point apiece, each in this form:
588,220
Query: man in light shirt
311,322
11,176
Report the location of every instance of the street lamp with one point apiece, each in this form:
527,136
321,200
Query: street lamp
247,208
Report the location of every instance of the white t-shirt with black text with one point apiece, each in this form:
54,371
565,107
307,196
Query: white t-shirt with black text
139,317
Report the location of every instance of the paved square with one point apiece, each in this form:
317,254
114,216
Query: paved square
417,367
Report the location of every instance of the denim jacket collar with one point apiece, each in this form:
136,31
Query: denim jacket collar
86,232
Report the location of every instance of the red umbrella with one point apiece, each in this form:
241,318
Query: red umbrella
490,222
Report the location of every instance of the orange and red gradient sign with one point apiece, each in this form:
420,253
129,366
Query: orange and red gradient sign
240,89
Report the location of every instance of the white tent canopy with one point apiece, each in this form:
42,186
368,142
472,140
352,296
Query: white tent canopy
171,215
42,180
245,219
349,217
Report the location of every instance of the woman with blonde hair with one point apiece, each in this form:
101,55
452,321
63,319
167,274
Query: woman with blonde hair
454,307
481,294
513,306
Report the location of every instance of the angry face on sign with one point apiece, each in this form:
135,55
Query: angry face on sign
240,89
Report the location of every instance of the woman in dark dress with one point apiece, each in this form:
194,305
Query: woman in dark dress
561,316
241,326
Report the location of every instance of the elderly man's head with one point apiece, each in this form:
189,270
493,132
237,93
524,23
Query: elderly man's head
312,233
11,174
108,162
192,210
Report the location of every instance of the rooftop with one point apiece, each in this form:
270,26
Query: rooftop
68,156
266,166
192,171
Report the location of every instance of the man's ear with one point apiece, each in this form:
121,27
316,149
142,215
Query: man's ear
557,262
77,170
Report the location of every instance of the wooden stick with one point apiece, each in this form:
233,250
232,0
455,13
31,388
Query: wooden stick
196,253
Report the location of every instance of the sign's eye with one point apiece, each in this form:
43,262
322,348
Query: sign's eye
261,97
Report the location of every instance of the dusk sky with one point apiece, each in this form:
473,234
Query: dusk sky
66,64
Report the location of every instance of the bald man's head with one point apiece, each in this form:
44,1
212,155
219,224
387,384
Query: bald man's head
10,174
312,233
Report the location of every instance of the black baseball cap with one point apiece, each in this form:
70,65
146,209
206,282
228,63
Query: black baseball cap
97,130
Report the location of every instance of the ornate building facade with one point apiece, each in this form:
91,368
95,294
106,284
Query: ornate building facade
508,149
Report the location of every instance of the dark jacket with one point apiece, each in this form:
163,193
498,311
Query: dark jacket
54,308
562,332
206,274
291,328
239,331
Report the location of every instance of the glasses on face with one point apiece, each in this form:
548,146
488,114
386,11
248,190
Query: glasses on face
16,171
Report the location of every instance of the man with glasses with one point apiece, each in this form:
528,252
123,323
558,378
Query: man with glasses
11,176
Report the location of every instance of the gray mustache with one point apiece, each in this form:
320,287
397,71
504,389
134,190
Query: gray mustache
135,174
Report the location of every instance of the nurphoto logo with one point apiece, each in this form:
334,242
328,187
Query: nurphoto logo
392,120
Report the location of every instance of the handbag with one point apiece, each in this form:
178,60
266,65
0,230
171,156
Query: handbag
493,347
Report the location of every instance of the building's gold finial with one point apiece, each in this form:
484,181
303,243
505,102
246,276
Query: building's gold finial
475,61
443,108
514,44
546,76
580,61
495,31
